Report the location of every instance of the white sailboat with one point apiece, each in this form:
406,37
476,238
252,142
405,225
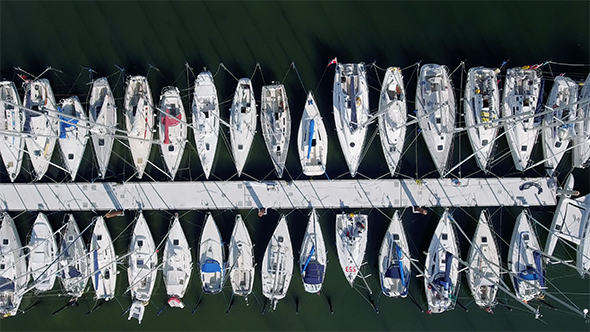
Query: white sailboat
351,242
277,264
351,111
558,127
521,96
392,117
103,262
73,133
441,272
178,264
525,260
313,258
73,260
483,274
242,123
173,128
581,150
143,267
13,271
211,257
394,260
436,111
312,139
275,120
241,260
481,105
206,120
12,119
139,121
43,252
41,124
102,113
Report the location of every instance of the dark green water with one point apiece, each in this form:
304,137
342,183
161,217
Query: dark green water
134,35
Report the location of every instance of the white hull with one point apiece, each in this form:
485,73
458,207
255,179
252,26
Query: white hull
275,120
392,117
242,123
351,111
13,277
394,260
351,242
178,263
73,134
139,121
211,257
312,139
277,264
102,113
206,120
73,260
12,144
172,126
240,259
313,257
103,262
581,150
143,261
43,251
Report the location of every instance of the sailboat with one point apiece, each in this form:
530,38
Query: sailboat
581,150
441,272
275,119
522,91
13,274
143,267
483,274
241,258
394,260
242,122
312,139
12,119
436,111
139,121
211,257
102,113
206,120
351,242
525,260
41,124
392,117
351,111
481,105
73,133
73,260
313,257
277,264
43,253
558,127
103,262
178,264
173,128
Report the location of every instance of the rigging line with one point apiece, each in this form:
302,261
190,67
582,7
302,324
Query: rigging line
75,81
227,70
299,76
454,70
287,73
320,81
568,64
178,77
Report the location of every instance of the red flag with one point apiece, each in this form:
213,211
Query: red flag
333,62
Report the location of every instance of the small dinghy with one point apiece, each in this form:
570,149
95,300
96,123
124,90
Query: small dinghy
73,134
392,117
351,242
242,123
436,111
525,260
275,119
139,121
43,252
394,260
559,126
13,274
240,259
312,139
173,128
481,105
522,91
73,260
277,264
484,264
211,257
103,262
441,272
143,267
102,113
41,124
351,111
313,257
177,265
581,150
12,119
206,120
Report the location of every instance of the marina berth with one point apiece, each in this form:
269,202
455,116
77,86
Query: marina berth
205,109
12,119
139,121
102,113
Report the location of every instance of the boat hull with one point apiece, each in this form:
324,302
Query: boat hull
313,257
103,262
12,144
392,117
177,266
211,257
13,277
172,126
139,121
277,264
73,260
42,265
312,139
143,261
581,150
102,113
205,110
394,260
242,123
351,242
275,120
241,259
73,134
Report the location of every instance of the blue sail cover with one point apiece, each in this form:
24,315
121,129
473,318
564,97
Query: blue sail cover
310,141
539,268
73,272
314,273
6,285
308,258
96,269
400,264
64,123
211,266
445,281
353,121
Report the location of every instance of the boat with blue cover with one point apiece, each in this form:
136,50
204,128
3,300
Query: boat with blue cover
394,260
211,257
312,258
312,139
73,133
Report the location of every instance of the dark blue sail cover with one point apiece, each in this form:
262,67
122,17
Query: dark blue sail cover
445,281
314,273
310,140
539,267
353,120
6,285
73,272
64,123
211,265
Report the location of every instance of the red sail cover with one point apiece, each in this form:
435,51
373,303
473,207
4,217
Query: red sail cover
169,121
